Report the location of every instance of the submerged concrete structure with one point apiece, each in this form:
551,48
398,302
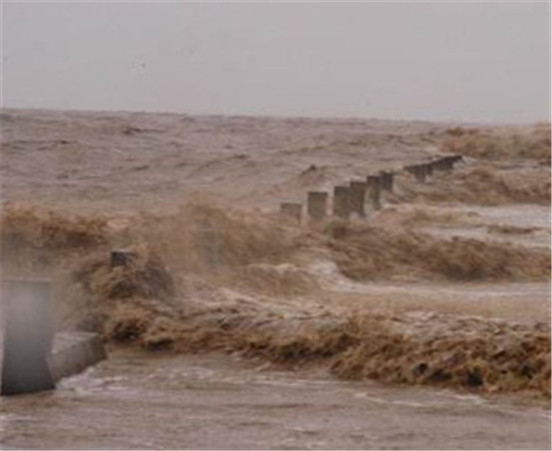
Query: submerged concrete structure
317,205
341,208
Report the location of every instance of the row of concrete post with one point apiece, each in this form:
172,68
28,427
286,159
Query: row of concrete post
347,200
424,170
352,199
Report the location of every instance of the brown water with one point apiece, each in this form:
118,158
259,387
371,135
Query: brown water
138,401
272,279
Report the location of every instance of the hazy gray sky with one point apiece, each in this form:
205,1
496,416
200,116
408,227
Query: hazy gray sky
438,61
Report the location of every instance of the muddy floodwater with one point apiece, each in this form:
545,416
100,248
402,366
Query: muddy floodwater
212,401
421,320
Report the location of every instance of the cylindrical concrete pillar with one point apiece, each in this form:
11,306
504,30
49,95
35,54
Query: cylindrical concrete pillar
341,207
291,211
357,198
28,333
317,205
374,184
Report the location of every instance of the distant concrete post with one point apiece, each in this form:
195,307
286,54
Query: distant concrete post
419,171
291,210
28,334
357,198
421,174
387,181
121,257
341,207
317,205
429,169
373,183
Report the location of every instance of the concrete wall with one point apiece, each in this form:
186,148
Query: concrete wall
32,358
73,352
27,336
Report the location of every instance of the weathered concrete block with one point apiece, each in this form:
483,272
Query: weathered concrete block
291,211
73,352
341,207
357,198
27,336
317,205
374,187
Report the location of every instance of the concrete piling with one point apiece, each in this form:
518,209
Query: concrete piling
291,211
387,181
419,171
429,169
374,186
341,206
357,198
317,205
28,333
121,257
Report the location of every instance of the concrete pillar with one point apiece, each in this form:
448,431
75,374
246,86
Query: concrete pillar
317,205
341,207
387,181
429,169
292,211
447,163
357,198
374,184
28,332
121,257
419,171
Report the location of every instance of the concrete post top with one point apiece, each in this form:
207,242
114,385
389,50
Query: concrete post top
317,193
27,281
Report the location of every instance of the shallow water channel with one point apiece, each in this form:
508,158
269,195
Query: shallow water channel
136,400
